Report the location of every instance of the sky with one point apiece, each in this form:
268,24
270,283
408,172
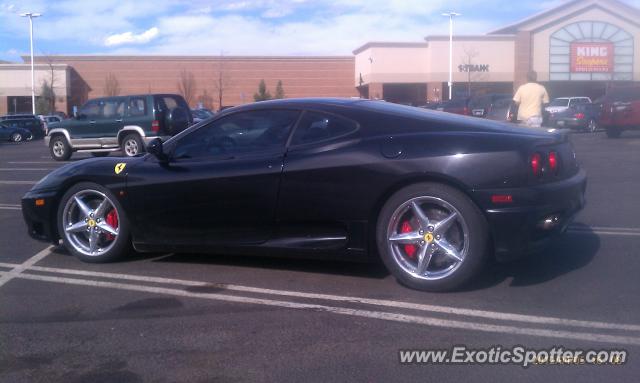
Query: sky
242,27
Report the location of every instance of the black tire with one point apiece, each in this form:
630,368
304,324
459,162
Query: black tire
129,141
59,148
478,236
592,126
122,245
614,132
16,137
99,154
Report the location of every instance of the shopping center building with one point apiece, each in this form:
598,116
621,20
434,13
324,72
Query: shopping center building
577,49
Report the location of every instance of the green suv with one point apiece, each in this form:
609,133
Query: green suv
126,123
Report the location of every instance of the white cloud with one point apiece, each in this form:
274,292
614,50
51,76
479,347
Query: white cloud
130,38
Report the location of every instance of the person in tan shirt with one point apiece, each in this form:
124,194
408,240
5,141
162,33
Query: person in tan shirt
530,97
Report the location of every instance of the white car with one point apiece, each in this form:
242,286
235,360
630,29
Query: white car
561,104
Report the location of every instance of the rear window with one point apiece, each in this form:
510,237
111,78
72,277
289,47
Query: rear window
317,127
623,95
560,102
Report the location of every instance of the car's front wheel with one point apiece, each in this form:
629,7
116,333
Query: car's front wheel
16,137
432,237
92,224
592,127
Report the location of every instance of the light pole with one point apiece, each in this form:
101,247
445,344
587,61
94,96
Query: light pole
31,16
451,15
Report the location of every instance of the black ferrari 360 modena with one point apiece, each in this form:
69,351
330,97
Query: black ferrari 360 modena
432,194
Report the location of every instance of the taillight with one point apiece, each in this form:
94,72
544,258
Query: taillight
155,126
536,164
465,111
579,116
553,162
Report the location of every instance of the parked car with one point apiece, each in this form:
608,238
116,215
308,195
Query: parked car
433,194
503,109
126,123
30,123
559,105
49,120
456,106
620,110
17,116
582,117
201,114
481,105
14,134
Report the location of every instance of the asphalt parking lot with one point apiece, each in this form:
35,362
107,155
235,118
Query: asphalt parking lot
202,318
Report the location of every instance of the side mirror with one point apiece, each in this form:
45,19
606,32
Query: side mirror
155,148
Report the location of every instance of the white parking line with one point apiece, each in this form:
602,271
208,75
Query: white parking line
15,272
18,182
25,169
501,316
35,162
9,207
600,230
403,318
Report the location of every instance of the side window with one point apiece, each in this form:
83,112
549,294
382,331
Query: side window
316,127
91,109
137,107
113,109
240,133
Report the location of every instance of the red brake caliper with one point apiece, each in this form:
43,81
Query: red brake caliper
112,220
409,249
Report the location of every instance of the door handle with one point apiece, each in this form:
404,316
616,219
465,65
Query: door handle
92,122
120,120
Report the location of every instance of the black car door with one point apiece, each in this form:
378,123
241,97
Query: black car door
220,186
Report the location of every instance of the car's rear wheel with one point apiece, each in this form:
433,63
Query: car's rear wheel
132,145
432,237
16,137
613,132
59,148
592,127
92,224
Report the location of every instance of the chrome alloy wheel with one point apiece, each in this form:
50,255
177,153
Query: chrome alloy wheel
16,137
428,238
90,222
593,126
58,149
131,147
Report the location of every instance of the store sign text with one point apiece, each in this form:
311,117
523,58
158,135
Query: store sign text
592,57
473,68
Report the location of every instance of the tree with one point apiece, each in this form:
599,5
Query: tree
45,104
474,72
279,90
263,94
51,95
206,100
111,85
221,81
187,86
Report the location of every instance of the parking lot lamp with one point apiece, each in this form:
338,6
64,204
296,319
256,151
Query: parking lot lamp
31,16
451,15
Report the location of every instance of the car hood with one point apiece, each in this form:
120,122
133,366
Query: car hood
105,171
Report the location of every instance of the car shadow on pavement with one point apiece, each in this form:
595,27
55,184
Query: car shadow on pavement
309,265
569,252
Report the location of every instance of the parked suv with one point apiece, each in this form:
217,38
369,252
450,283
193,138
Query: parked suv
620,110
104,125
25,122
